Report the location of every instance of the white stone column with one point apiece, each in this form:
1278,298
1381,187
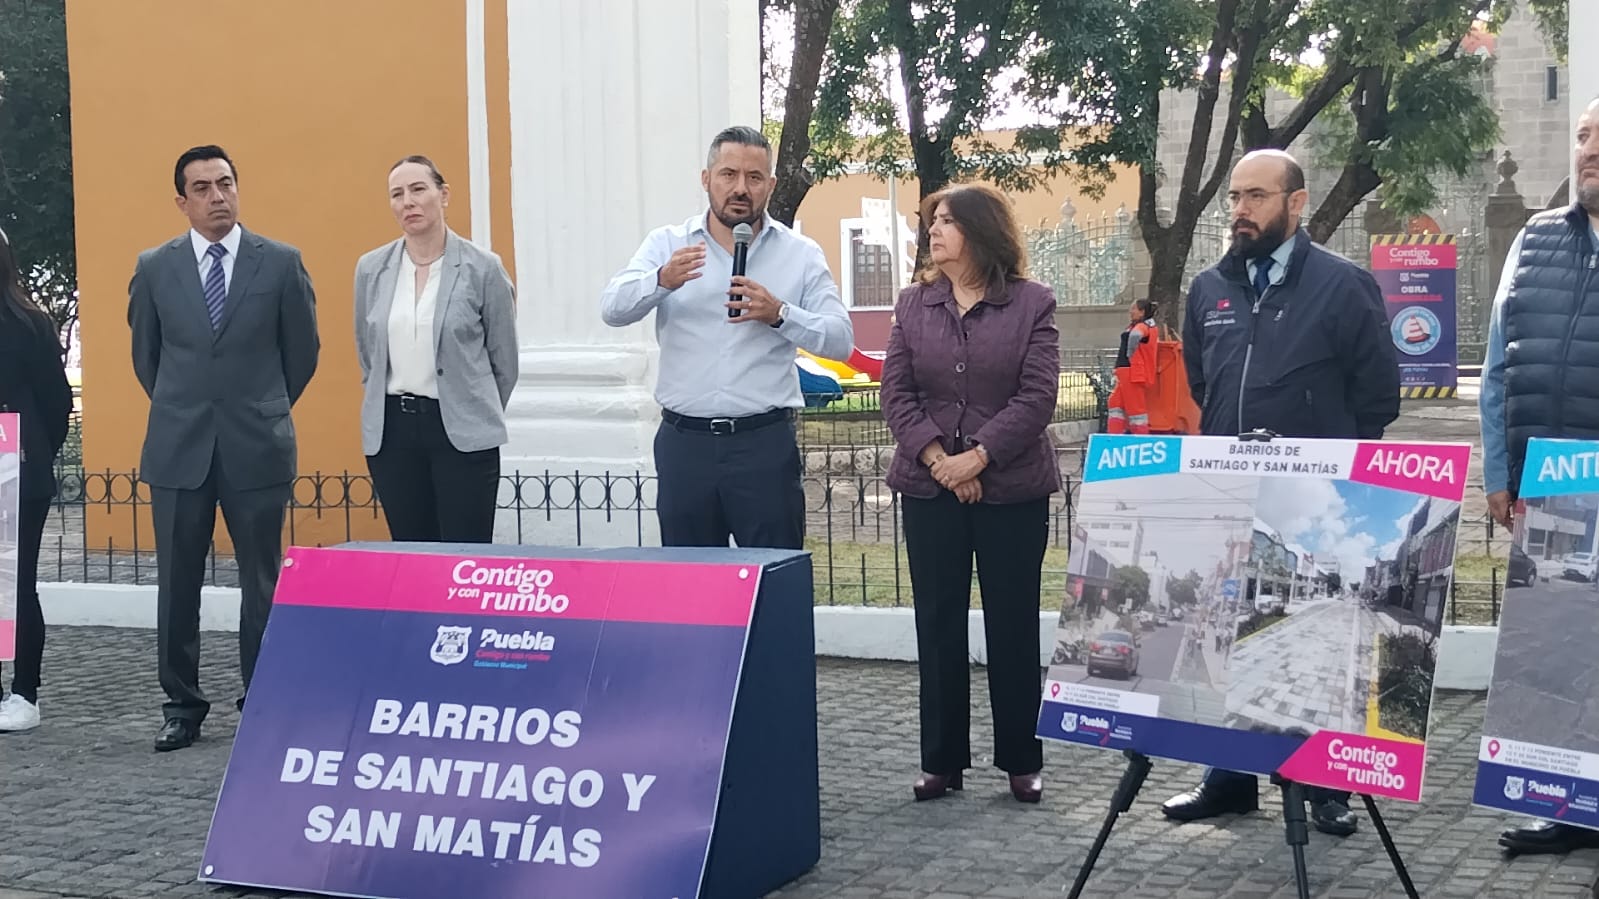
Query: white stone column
613,104
1583,66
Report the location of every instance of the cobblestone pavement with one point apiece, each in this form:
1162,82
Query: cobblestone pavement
1302,670
89,810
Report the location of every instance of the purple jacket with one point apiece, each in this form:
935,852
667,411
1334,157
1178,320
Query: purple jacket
990,378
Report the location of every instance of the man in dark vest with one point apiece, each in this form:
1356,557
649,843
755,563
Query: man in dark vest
1540,377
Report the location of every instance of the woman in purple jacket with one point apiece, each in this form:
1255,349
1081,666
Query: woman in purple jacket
969,387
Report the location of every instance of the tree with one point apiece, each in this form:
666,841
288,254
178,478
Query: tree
1415,107
1335,582
813,24
1129,583
918,80
1184,591
36,207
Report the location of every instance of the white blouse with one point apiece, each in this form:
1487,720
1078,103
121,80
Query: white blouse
411,356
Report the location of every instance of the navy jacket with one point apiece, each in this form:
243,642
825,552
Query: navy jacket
1311,358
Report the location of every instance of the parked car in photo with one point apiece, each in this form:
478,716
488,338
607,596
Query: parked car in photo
1113,651
1523,570
1582,566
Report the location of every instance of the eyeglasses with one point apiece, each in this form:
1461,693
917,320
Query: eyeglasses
1252,198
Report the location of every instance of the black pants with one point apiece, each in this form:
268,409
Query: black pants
745,485
184,523
431,491
1008,540
30,618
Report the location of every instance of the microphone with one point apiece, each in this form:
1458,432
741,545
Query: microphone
742,235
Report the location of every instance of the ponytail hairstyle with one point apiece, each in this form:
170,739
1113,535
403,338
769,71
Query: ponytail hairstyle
1147,307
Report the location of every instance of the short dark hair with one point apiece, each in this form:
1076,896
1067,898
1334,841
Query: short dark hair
423,161
993,239
743,135
195,154
1293,174
1147,306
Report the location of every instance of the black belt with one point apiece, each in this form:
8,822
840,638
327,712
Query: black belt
724,426
411,404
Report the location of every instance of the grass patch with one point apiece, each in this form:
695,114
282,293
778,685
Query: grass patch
1478,589
864,574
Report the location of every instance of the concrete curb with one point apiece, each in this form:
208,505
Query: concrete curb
1465,654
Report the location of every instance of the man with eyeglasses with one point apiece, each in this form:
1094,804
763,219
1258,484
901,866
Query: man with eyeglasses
1286,336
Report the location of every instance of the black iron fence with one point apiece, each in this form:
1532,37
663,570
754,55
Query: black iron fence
100,530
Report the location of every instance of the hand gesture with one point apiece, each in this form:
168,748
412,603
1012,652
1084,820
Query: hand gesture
683,267
758,304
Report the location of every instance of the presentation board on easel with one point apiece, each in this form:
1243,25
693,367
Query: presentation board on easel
1269,606
1539,754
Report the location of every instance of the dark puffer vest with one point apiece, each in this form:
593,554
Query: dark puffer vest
1551,322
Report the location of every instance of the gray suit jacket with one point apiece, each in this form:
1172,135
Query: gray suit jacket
474,334
226,392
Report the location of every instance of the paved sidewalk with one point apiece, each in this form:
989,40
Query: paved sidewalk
1302,669
89,810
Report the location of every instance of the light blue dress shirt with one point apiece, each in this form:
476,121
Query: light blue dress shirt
710,366
1491,398
1279,257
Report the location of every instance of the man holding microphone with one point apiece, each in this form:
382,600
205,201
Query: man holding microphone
726,455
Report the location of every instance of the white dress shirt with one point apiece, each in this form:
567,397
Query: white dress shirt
230,241
711,367
411,356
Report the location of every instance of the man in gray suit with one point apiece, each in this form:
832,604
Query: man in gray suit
224,342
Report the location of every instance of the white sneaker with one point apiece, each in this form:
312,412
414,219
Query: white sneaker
18,714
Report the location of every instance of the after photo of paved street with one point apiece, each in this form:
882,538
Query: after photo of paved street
10,487
1546,689
1142,588
1341,602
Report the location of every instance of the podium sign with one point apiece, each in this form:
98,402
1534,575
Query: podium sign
10,499
485,725
1301,593
1539,754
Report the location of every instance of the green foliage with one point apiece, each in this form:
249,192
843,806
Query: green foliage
1553,22
1129,583
36,207
1184,591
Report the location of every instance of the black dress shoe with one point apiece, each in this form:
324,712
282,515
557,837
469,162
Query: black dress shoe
1548,838
932,786
176,734
1205,801
1332,817
1027,787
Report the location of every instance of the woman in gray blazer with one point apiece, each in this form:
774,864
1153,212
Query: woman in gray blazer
435,328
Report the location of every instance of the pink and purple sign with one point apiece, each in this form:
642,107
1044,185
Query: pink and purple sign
1417,275
432,724
1266,606
10,497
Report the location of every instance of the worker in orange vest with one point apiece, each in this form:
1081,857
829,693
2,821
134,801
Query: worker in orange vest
1135,372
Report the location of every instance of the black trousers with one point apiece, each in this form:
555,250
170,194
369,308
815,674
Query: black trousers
745,485
941,537
431,491
32,514
184,523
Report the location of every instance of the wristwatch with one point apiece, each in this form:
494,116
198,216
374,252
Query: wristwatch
782,313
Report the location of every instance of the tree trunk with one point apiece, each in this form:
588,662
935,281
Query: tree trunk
813,23
1354,184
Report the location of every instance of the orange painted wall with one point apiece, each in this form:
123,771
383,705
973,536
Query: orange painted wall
314,100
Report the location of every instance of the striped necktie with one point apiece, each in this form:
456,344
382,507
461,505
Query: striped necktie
216,285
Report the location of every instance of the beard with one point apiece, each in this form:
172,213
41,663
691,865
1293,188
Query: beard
732,219
1266,239
1588,194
